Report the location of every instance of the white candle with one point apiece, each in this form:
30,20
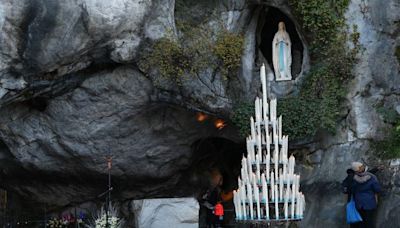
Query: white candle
256,109
268,143
259,148
267,166
273,109
274,135
280,129
298,205
303,204
280,185
250,200
253,131
257,199
264,90
291,167
243,200
293,201
266,202
260,104
286,203
258,172
272,186
276,163
284,175
276,203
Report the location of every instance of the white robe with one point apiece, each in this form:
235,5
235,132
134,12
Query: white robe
282,72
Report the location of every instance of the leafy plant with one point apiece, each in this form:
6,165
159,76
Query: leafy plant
389,147
241,117
301,116
167,57
228,49
197,48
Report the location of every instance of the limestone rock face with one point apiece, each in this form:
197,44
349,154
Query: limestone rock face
173,212
71,94
376,84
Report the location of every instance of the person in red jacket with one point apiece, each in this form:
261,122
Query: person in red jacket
219,211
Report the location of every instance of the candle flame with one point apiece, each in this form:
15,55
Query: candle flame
219,124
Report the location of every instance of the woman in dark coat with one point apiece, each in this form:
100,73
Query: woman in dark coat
365,188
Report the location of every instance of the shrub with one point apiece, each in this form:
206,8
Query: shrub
167,57
241,117
228,49
197,48
389,147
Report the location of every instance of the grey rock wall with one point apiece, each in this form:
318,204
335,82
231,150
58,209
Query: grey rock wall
71,94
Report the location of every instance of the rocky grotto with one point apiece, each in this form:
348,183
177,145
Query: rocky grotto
164,87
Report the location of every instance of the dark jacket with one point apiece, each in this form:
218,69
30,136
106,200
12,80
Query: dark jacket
348,181
364,188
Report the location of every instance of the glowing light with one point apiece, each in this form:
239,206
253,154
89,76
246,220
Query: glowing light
201,117
219,124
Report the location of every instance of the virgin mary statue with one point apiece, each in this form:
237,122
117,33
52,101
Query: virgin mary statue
281,54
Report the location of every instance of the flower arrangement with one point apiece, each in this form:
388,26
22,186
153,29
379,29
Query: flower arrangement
56,223
67,220
113,220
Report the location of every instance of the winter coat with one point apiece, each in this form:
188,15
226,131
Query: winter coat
364,187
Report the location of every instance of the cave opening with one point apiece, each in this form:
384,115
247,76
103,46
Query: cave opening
270,21
37,103
217,157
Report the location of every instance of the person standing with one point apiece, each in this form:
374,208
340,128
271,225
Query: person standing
365,188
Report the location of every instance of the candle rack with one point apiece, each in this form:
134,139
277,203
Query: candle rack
268,186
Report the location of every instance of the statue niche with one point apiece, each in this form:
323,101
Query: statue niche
282,54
